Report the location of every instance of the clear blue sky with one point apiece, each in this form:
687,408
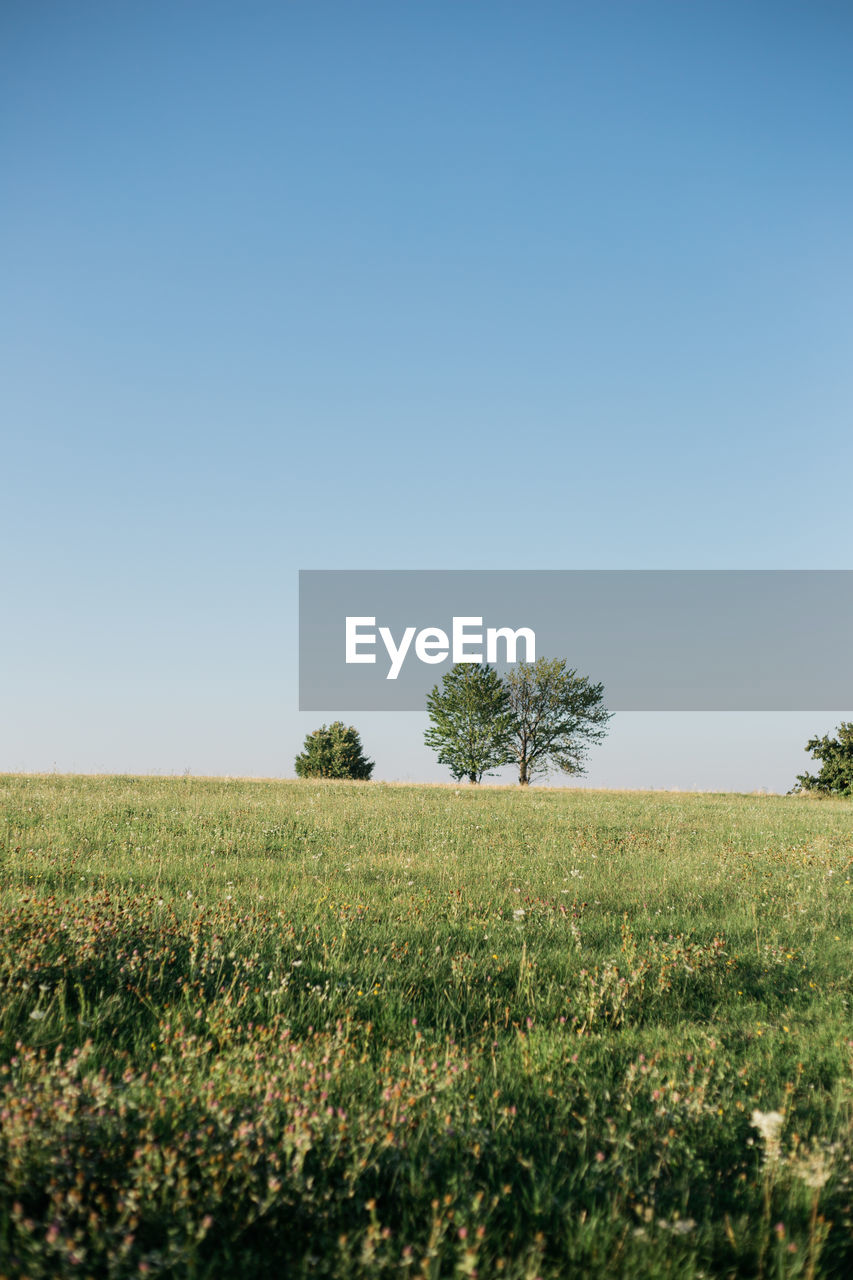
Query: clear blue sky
390,285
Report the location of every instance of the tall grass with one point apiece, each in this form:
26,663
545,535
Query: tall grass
329,1029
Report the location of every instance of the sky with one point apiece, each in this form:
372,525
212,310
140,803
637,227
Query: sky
501,286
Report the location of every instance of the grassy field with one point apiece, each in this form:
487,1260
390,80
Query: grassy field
289,1029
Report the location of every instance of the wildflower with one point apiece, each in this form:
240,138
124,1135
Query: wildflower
769,1125
518,913
813,1171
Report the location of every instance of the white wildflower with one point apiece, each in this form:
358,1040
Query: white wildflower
769,1125
813,1170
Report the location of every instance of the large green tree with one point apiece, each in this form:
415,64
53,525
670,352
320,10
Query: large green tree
557,715
836,769
333,751
471,722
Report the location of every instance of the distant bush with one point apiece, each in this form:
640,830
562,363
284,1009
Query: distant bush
836,757
333,751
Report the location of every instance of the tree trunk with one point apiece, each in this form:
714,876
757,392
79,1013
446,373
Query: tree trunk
523,780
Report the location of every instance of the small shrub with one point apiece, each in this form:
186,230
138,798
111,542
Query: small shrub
333,751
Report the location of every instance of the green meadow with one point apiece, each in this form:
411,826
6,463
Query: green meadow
278,1029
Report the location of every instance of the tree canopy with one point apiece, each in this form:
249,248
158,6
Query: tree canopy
540,716
557,715
836,757
471,722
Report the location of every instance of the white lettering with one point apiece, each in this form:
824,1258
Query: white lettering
432,645
511,637
397,655
460,639
354,639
